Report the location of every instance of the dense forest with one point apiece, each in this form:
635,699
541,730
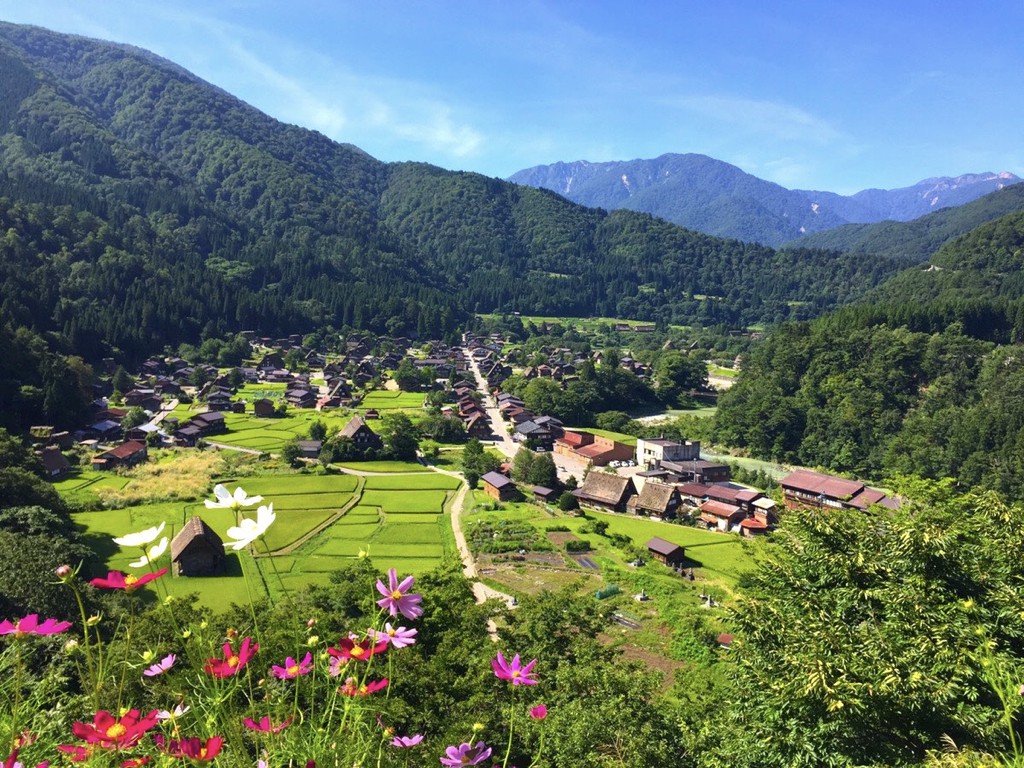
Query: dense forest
142,207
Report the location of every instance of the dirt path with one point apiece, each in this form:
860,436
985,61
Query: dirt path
481,591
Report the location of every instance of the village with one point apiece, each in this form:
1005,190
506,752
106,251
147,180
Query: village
321,411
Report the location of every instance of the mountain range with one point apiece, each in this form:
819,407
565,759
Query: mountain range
142,207
717,198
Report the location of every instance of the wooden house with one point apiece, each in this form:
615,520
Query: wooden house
606,491
656,500
499,487
361,434
666,552
197,550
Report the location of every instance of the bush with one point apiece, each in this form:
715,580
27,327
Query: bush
577,545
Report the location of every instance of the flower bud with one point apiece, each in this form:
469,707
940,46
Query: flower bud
231,633
477,727
93,620
311,623
313,640
71,646
148,656
64,572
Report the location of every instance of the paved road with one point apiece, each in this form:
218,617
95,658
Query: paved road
505,443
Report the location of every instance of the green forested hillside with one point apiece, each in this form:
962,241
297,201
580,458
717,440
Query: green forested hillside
985,262
935,390
145,207
917,240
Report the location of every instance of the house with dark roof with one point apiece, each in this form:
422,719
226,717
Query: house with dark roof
264,407
656,500
666,552
54,462
499,487
359,433
197,550
605,491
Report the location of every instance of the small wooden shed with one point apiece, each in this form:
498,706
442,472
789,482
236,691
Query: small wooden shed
197,550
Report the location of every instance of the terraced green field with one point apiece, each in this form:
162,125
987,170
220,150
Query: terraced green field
387,400
322,520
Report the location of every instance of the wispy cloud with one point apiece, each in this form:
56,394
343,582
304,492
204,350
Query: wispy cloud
783,121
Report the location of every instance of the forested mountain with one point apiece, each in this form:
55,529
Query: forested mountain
717,198
917,240
143,207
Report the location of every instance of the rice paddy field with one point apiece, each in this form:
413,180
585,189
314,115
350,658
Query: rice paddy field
388,400
322,521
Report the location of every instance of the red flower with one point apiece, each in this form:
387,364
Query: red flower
193,749
362,650
351,688
137,763
231,662
111,733
129,583
76,753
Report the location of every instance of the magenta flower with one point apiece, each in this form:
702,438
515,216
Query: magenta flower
30,625
161,666
407,741
232,662
466,754
129,583
264,725
513,671
293,668
398,638
539,712
397,598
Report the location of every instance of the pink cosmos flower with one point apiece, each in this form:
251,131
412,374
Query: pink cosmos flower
193,749
12,761
231,662
264,725
398,638
539,712
466,754
161,666
129,582
407,741
513,671
30,625
352,688
397,598
360,650
293,668
110,733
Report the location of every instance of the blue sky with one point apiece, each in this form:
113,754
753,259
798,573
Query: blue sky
834,96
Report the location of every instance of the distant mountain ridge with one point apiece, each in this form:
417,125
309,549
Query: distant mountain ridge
717,198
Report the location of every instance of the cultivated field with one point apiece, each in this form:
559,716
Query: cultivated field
322,521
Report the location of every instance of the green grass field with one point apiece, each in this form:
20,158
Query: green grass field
399,522
428,480
388,400
396,467
617,436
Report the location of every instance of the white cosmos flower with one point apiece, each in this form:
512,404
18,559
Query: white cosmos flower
153,554
248,530
142,538
172,714
227,500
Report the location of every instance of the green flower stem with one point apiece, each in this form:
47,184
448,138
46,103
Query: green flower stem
273,562
511,728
